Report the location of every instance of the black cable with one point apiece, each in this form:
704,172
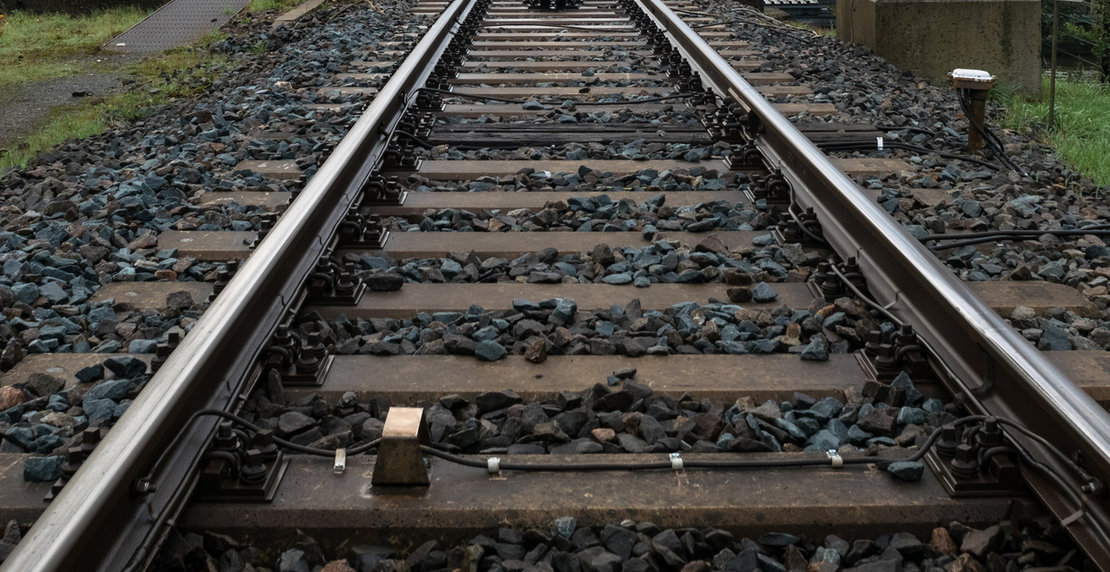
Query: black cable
910,128
990,140
854,145
694,13
929,443
477,97
866,300
763,463
571,27
802,226
282,442
419,140
973,238
694,464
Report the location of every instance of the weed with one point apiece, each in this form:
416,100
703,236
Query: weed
264,5
177,73
1081,135
36,47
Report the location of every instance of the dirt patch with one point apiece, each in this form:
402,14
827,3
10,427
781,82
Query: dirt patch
28,107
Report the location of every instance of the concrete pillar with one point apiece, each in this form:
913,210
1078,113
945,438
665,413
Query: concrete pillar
933,37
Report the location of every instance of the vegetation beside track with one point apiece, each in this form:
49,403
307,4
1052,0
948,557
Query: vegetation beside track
158,80
1081,135
38,47
264,5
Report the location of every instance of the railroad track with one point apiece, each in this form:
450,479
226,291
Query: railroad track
582,241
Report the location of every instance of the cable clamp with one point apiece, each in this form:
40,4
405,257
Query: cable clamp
879,143
834,456
340,464
493,465
1078,514
676,462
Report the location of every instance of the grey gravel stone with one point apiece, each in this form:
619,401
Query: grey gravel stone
910,471
40,469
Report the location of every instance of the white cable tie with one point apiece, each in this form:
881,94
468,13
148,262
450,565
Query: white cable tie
879,143
493,465
834,456
1078,514
676,462
340,461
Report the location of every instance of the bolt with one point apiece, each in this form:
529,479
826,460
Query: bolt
263,441
966,463
949,440
253,468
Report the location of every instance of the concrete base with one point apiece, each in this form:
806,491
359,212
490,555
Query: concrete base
933,37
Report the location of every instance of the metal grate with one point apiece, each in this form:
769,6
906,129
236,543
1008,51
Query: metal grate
178,23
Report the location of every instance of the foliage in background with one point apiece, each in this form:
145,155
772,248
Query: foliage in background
1081,135
36,47
1083,34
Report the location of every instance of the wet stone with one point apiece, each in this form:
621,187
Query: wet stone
90,373
490,350
42,469
909,471
293,422
125,366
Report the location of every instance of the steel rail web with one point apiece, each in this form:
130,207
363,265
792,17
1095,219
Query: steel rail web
97,522
1006,375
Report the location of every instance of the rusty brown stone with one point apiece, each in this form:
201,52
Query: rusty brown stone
537,352
737,277
632,422
604,435
711,243
337,566
966,563
706,426
739,294
10,397
942,541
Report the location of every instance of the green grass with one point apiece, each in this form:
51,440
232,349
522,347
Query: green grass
1081,135
264,5
177,73
36,47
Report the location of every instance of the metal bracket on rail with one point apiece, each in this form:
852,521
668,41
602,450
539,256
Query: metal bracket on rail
223,277
725,123
265,225
400,464
553,5
164,348
297,361
237,471
773,190
826,284
883,359
976,462
334,283
806,229
75,456
362,231
379,190
745,157
400,156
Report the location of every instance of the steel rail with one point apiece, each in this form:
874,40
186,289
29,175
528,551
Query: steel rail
1004,374
101,520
